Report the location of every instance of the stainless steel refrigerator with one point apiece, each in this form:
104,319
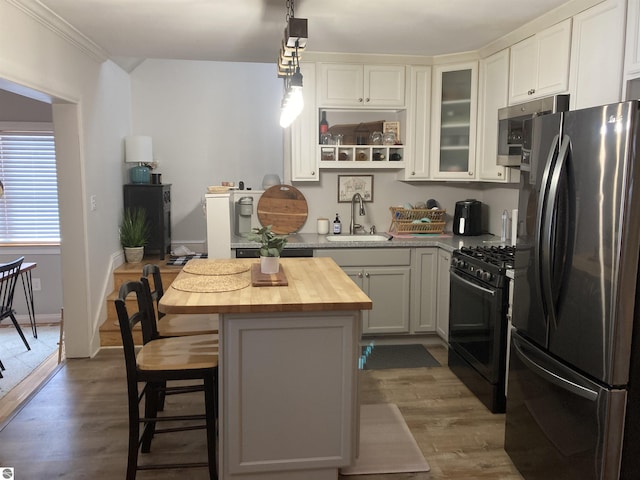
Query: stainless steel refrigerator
573,399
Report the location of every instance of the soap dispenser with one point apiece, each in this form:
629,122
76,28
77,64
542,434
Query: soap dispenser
337,226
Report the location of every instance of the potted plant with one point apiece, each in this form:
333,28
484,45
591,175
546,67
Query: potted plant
134,234
271,248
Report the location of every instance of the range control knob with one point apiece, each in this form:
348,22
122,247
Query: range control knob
458,262
486,276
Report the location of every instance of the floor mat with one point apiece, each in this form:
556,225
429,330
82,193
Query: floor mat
378,357
386,443
180,261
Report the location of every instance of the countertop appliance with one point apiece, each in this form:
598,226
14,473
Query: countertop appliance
467,218
515,127
573,407
243,211
478,308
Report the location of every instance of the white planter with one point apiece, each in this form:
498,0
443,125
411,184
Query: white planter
133,254
269,265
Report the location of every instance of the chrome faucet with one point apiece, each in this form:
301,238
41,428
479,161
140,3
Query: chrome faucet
353,227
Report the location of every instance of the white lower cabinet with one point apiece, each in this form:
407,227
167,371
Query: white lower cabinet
385,276
423,305
443,287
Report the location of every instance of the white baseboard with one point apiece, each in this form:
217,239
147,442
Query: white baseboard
40,318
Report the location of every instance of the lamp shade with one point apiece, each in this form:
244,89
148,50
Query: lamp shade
138,149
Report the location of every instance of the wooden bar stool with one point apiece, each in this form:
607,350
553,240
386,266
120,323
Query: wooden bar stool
176,325
156,363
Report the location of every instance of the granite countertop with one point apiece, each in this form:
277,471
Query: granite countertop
448,242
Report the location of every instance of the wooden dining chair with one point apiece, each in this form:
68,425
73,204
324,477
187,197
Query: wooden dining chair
9,273
170,325
156,363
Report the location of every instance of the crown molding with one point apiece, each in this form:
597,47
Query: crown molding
60,27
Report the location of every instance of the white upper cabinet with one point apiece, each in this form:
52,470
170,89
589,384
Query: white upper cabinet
453,121
418,123
539,65
355,85
493,94
596,55
631,87
632,49
303,133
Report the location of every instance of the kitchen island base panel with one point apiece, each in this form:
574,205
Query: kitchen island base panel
320,474
288,390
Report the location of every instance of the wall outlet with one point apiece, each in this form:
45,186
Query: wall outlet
35,283
93,202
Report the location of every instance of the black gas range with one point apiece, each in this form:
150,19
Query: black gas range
478,322
486,263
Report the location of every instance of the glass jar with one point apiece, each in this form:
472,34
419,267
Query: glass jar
325,139
389,138
361,134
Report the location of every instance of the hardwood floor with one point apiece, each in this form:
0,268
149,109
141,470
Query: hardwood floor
75,427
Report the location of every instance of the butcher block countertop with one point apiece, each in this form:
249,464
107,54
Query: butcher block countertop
314,284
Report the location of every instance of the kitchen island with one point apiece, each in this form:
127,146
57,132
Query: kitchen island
288,370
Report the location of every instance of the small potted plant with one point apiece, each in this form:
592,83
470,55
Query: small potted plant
134,234
271,248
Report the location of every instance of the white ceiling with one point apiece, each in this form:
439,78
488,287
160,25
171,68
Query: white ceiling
251,30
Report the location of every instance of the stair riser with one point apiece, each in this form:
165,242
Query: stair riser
109,330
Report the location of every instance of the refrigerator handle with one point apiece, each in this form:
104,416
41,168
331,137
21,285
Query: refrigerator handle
542,228
548,375
548,228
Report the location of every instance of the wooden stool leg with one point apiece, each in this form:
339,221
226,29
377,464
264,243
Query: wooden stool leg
150,413
210,407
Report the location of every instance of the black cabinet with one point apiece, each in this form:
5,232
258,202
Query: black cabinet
156,200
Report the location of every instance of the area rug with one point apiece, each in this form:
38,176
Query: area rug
379,357
386,443
178,261
20,362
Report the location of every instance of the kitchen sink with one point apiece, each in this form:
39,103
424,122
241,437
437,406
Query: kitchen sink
358,238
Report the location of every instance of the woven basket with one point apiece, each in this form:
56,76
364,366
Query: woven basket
411,214
402,220
410,227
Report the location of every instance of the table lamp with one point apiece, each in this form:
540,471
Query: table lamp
138,150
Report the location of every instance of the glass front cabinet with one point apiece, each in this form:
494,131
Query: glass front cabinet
454,109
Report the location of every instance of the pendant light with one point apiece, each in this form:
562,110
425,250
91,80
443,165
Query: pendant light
294,42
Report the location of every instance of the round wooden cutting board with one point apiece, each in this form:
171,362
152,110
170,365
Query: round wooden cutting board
284,207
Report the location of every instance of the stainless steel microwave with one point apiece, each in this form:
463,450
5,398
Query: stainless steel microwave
514,127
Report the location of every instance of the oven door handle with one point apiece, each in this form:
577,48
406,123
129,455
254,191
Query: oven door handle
474,285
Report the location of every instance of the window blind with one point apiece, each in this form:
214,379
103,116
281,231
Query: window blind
29,206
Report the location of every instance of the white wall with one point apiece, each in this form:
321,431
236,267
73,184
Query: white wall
210,122
91,115
217,121
387,192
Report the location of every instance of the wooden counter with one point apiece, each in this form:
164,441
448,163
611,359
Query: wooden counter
315,284
288,371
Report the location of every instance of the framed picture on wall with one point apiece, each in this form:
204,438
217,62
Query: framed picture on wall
349,185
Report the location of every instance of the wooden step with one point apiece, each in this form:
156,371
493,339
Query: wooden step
110,330
133,271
